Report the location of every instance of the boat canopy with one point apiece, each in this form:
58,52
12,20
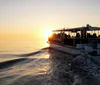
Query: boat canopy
87,28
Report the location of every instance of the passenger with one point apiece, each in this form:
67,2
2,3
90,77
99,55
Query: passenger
89,35
68,35
58,35
94,35
77,35
65,35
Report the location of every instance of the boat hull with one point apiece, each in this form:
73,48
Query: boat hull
66,49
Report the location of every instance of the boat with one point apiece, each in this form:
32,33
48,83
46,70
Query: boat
85,39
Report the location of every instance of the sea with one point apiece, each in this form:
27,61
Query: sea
34,63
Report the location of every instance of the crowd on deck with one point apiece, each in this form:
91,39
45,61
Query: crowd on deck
78,35
68,39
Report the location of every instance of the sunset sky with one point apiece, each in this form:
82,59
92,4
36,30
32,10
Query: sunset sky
28,19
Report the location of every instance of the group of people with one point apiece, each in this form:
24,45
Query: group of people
78,35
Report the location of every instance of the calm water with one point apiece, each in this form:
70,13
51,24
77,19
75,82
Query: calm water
33,63
19,47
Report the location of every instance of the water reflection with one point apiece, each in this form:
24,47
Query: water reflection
34,70
49,67
60,70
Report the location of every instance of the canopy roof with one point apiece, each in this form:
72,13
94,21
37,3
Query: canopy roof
87,27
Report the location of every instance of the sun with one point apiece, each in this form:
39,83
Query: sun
47,33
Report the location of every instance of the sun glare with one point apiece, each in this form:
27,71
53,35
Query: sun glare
47,33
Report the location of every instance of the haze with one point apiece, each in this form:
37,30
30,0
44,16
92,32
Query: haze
27,19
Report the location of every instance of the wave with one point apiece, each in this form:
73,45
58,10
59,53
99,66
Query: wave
33,53
11,63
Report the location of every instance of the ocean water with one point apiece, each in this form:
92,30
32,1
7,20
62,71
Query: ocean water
33,63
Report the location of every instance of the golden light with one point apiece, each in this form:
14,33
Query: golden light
47,33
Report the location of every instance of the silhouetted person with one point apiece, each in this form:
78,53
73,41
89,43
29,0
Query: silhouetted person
89,35
68,35
94,35
78,35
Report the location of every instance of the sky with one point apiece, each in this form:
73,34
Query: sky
28,19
